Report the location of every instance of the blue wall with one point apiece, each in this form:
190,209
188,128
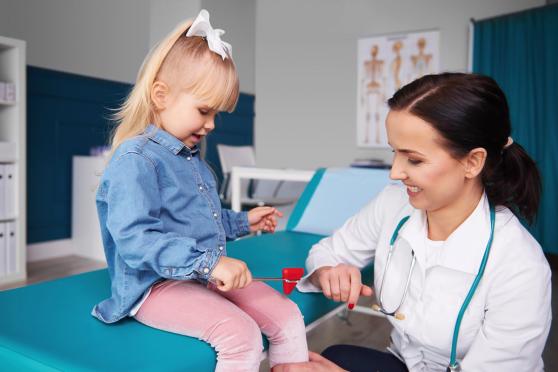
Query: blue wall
67,114
235,129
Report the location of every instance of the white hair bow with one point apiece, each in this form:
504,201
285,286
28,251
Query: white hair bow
202,27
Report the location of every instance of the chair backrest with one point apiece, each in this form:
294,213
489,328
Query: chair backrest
333,195
235,156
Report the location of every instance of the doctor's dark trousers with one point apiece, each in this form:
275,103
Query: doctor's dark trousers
361,359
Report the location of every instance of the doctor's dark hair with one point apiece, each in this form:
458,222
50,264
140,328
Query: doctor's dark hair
471,111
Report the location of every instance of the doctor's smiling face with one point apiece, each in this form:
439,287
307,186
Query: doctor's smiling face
434,178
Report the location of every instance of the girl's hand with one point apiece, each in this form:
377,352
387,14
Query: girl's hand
230,273
263,219
317,363
341,283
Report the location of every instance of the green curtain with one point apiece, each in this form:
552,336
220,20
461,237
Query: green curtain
520,51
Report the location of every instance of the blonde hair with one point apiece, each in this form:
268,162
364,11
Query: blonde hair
177,59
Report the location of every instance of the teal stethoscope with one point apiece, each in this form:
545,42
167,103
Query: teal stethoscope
454,365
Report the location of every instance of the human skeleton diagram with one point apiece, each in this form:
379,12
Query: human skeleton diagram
373,95
421,61
396,65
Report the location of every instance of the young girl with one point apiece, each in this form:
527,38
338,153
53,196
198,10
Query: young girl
163,228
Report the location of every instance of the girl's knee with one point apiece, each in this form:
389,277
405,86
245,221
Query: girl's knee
238,337
292,314
289,325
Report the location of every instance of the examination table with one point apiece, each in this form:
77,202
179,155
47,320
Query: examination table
49,327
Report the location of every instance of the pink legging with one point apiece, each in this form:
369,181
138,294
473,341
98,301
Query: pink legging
231,321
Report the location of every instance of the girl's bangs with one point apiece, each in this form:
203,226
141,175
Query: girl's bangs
216,84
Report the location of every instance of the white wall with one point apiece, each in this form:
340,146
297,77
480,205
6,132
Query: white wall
306,68
298,56
109,39
100,38
166,14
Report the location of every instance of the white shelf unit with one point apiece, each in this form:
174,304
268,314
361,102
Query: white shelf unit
13,225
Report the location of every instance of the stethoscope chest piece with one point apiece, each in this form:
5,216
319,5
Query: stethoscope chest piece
454,368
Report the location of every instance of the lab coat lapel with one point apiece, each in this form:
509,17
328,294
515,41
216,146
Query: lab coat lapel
414,233
465,247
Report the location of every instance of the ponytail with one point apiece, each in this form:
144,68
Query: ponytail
515,182
136,112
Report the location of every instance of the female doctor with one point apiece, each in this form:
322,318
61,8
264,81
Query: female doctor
463,283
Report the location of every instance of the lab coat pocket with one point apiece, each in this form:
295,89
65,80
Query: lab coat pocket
444,295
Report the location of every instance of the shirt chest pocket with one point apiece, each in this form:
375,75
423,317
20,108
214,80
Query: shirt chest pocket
444,294
210,184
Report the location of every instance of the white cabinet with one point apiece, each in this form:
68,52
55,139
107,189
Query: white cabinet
86,231
13,225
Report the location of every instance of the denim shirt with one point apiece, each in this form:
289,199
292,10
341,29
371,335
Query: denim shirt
160,217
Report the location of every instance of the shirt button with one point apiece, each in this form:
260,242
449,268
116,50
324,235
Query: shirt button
220,247
189,158
205,270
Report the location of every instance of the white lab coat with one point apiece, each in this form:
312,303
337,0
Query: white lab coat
507,322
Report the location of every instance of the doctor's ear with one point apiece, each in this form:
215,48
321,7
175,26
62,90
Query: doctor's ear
474,162
159,95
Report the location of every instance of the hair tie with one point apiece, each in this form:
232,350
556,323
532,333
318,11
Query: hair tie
202,27
509,143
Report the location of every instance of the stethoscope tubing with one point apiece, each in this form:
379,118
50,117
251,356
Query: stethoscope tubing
472,289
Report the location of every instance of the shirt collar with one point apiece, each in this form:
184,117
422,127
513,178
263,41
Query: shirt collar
464,248
167,140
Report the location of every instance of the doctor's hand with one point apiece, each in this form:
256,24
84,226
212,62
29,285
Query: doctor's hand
263,219
341,283
317,363
230,273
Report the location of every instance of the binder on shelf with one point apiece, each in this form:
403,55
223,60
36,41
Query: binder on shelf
11,247
3,251
7,92
9,190
10,92
2,192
